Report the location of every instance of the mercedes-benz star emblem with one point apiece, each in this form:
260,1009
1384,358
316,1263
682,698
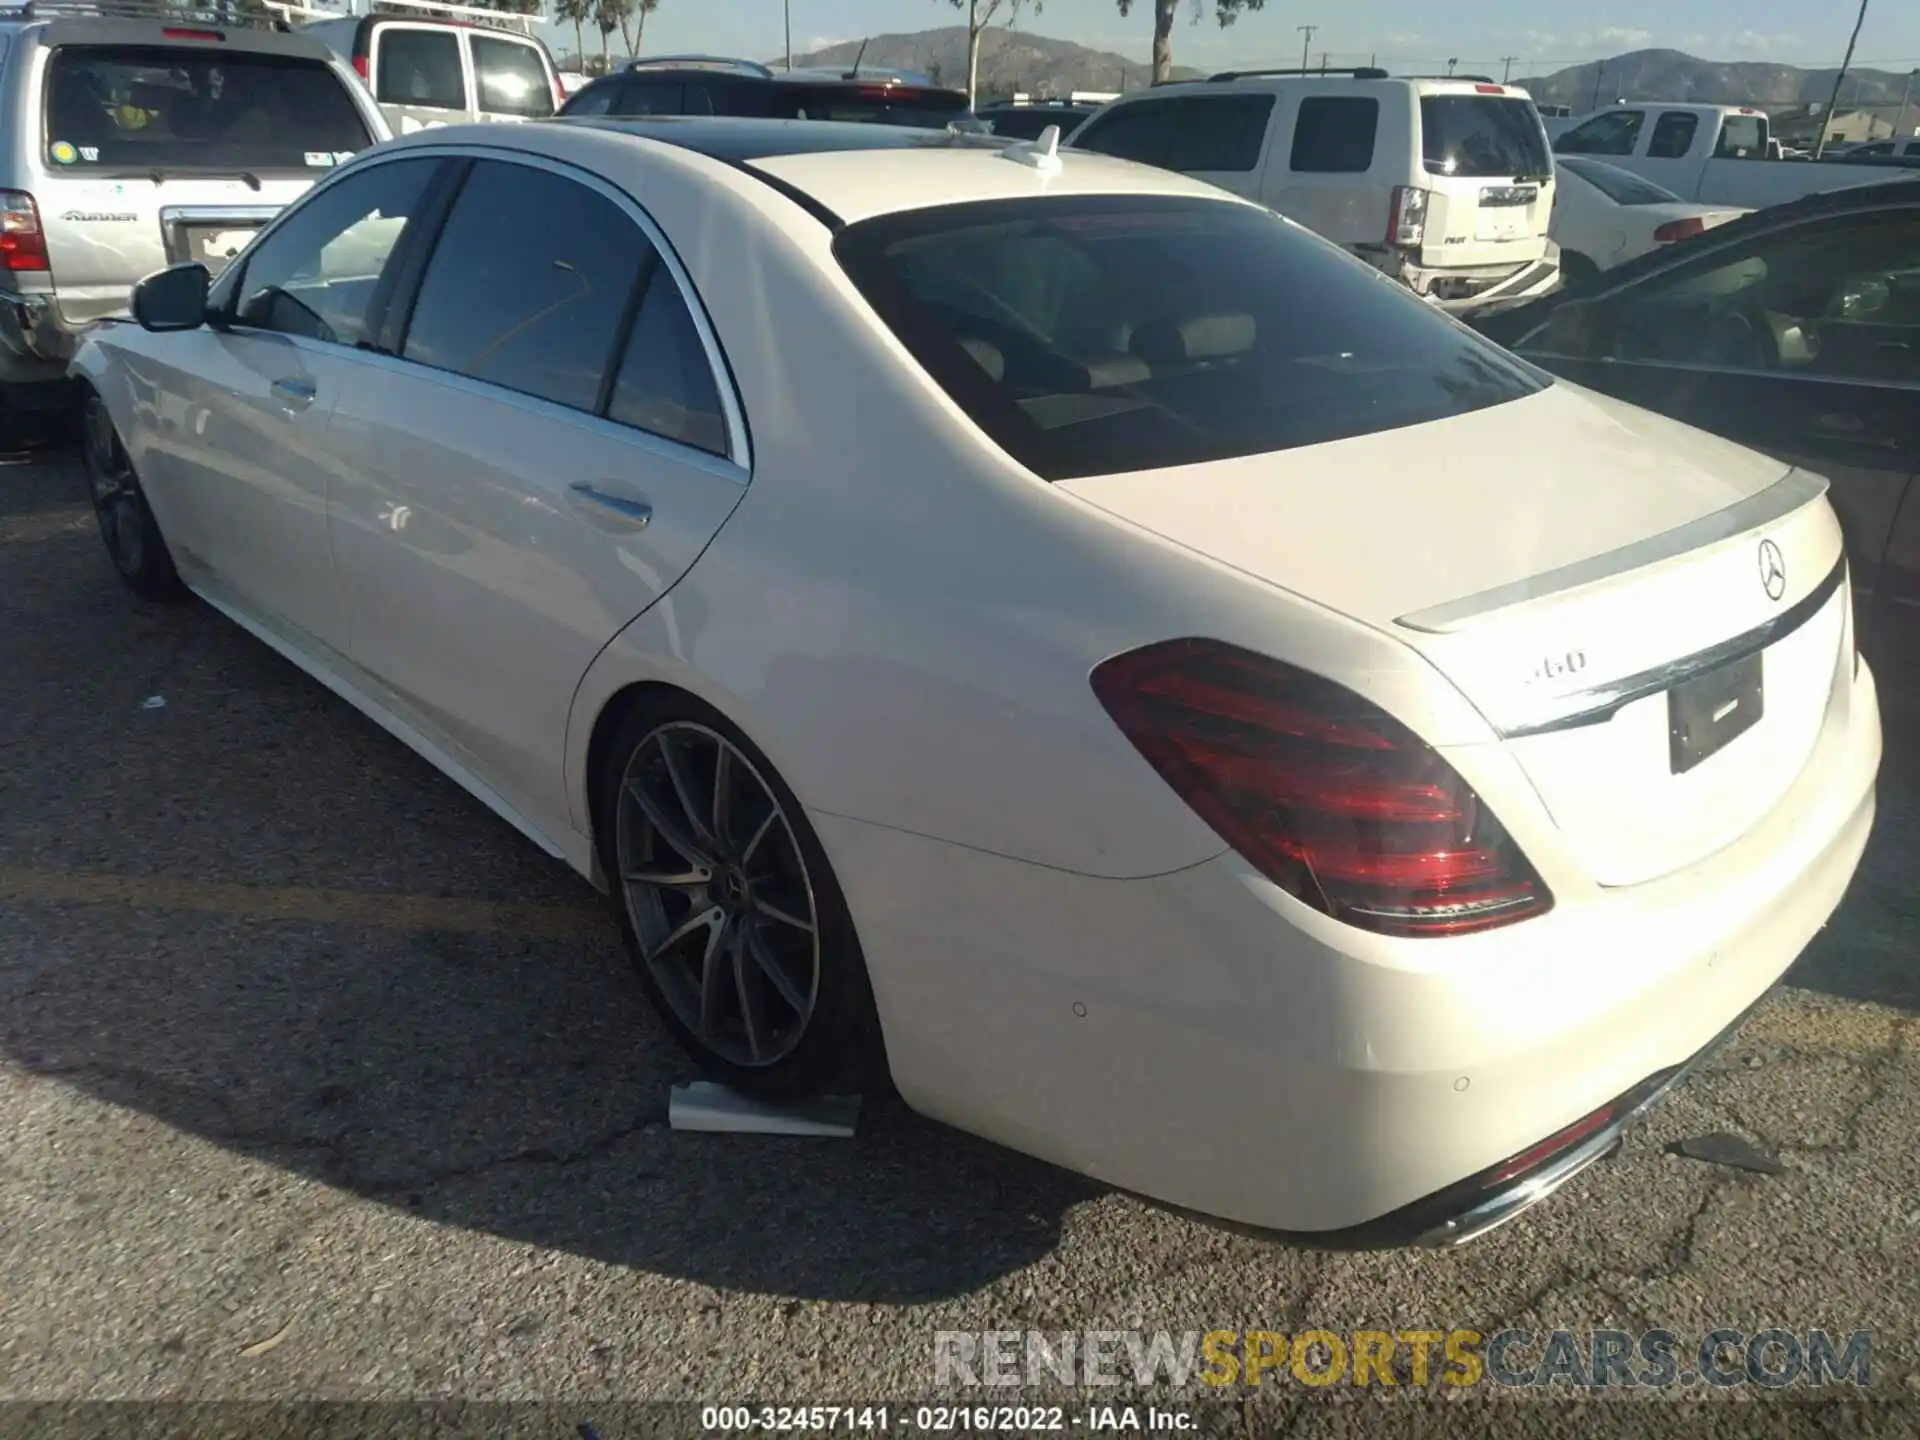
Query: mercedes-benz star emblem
1773,570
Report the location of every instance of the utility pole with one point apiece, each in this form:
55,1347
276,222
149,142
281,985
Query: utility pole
1324,57
1305,44
1598,75
1506,74
1900,124
1452,65
787,6
1833,105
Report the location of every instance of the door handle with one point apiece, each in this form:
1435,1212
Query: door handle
1839,425
295,393
625,512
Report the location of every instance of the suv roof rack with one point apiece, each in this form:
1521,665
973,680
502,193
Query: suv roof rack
212,15
647,62
1356,72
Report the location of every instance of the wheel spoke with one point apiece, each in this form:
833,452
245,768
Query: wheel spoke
722,778
746,855
700,919
667,879
714,966
682,786
775,913
774,970
668,829
746,983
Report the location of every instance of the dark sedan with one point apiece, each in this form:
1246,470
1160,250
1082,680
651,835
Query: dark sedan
1795,330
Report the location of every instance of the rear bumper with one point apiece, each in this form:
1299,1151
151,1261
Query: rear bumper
1529,282
35,343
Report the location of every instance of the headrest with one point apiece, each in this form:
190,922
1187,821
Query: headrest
1203,337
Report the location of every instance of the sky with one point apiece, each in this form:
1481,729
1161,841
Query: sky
1477,32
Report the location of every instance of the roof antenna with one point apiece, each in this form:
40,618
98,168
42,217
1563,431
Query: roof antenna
1042,154
854,73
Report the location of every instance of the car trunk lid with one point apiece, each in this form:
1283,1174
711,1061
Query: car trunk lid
1571,565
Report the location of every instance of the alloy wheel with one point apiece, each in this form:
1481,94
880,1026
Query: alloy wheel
115,492
717,890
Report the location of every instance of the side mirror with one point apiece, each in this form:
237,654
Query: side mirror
173,299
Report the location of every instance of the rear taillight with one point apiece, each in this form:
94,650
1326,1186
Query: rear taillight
361,69
1407,220
175,32
1680,229
1325,794
559,93
23,244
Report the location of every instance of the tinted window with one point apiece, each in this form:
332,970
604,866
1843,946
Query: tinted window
733,97
1333,134
1090,335
1622,187
512,78
1839,299
1673,135
1614,133
1026,122
418,67
527,284
1740,139
140,108
651,97
316,274
665,384
1194,133
1483,137
596,99
870,105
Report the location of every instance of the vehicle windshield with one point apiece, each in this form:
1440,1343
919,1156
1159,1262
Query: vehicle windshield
1091,335
1483,137
168,107
872,105
1622,187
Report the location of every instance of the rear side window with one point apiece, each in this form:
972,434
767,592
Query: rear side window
651,97
1483,137
528,284
512,78
1673,135
1194,133
418,67
870,105
169,107
665,384
1740,139
1089,335
1333,135
1614,133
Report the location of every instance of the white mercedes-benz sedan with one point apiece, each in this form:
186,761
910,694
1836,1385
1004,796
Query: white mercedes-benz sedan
1036,627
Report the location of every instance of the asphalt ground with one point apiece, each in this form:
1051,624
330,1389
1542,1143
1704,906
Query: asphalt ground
317,1081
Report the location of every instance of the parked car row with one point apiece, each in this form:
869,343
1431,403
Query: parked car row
1070,636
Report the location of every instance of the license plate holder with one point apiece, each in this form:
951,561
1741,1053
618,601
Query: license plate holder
1707,712
214,246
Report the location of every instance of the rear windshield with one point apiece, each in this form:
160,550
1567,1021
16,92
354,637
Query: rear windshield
1090,335
871,104
1623,187
169,107
1483,137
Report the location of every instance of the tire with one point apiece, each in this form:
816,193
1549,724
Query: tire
134,543
731,914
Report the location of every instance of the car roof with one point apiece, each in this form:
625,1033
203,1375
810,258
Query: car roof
845,172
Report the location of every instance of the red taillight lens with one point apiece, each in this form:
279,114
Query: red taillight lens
360,68
559,93
1328,796
1680,229
1488,90
1407,219
23,244
174,32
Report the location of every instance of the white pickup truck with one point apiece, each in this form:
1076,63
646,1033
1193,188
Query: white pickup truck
1714,154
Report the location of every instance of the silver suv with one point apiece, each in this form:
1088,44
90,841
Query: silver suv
130,144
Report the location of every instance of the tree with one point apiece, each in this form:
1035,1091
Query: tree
980,14
576,13
1225,11
609,16
638,11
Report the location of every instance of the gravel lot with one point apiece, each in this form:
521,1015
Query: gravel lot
317,1081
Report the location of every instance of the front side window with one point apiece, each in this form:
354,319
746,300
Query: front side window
1673,135
596,99
419,67
512,78
1614,133
1334,134
1093,335
1838,299
1483,137
529,281
1196,134
316,274
146,108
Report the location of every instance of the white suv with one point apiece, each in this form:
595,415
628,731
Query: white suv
1446,184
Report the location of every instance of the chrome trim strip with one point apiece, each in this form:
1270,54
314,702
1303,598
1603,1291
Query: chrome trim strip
1783,497
1609,699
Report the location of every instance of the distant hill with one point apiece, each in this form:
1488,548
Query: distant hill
1671,75
1010,60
